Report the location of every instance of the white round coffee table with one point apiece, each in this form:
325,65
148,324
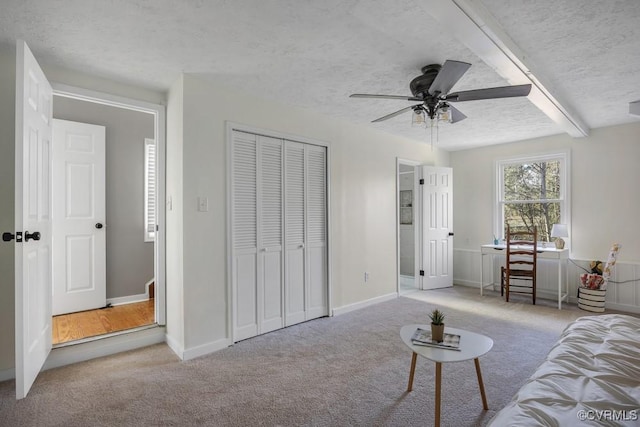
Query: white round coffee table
472,346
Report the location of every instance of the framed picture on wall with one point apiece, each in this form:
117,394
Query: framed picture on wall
406,215
406,206
406,198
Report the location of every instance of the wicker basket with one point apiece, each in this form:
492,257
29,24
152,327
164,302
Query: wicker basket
591,299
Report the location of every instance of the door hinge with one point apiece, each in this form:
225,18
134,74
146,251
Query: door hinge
421,181
422,272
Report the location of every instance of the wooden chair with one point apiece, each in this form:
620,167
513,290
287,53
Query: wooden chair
519,273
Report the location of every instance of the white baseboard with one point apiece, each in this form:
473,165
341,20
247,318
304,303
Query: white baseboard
104,347
7,374
175,346
132,298
128,299
362,304
201,350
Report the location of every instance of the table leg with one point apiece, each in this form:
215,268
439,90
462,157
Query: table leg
438,388
412,371
560,284
481,384
481,272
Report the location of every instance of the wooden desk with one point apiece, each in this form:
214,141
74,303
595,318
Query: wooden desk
560,255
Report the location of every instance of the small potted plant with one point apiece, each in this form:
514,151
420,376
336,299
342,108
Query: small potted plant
437,325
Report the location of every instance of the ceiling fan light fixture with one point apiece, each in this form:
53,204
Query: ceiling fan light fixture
418,118
444,115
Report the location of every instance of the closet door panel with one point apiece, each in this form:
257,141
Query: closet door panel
244,229
295,233
246,320
316,241
272,285
318,304
270,219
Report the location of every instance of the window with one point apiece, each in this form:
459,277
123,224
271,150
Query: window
149,190
533,191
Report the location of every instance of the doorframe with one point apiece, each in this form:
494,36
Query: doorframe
158,112
416,221
230,126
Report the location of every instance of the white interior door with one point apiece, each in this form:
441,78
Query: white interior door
437,227
79,237
33,215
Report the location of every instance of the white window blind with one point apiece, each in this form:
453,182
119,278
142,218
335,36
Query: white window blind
149,190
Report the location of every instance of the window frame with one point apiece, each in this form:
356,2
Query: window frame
149,235
563,157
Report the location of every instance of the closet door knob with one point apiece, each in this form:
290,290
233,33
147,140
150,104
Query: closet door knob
99,226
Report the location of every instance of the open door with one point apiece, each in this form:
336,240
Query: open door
79,238
32,219
436,184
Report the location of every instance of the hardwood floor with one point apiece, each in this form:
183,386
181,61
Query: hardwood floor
84,324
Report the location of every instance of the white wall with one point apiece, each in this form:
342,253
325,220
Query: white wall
174,219
362,211
605,205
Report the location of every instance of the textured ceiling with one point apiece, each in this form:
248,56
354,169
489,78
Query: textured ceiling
314,54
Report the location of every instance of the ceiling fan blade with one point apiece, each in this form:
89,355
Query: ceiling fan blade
456,115
489,93
448,76
404,98
397,113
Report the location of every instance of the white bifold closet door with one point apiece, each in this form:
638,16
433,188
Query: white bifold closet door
279,195
306,235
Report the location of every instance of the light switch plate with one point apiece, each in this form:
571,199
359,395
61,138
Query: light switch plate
203,204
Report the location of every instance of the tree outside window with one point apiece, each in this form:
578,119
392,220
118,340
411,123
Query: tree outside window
532,194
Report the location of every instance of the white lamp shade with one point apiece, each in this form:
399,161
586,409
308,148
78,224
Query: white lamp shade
559,230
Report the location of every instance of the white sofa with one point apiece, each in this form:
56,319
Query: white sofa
591,376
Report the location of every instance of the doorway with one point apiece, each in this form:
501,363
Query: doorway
407,226
127,225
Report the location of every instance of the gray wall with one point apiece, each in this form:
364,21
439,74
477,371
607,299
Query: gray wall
7,199
129,258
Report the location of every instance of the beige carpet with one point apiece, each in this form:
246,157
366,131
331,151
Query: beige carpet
346,370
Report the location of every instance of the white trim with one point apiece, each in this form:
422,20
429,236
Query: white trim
174,346
71,354
413,163
362,304
158,111
128,299
133,298
565,186
201,350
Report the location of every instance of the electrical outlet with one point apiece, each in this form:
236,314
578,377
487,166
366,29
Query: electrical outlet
366,276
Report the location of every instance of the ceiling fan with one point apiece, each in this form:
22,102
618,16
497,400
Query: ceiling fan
431,91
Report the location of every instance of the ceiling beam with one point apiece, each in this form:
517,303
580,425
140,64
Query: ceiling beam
472,24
